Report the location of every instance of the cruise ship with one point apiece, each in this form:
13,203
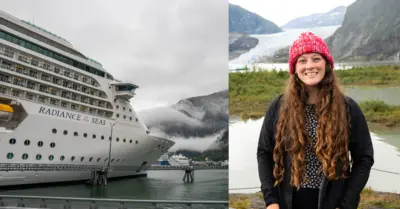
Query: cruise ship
60,108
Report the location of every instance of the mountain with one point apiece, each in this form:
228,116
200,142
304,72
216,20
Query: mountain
240,43
370,31
333,17
244,21
196,117
192,117
219,154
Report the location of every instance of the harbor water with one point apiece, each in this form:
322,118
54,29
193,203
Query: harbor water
209,185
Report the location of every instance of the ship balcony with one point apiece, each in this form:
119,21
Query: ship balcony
125,94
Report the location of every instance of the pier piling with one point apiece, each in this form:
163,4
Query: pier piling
189,175
98,178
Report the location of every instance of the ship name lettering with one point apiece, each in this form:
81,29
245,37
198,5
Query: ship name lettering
99,121
60,114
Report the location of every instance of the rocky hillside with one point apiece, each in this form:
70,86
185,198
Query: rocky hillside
240,43
370,31
333,17
244,21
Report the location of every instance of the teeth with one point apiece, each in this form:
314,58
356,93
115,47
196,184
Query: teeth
311,74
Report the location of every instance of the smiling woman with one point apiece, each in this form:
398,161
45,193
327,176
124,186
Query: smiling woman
308,134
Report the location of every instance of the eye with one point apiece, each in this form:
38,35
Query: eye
301,60
317,59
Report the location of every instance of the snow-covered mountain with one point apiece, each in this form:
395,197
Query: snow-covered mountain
331,18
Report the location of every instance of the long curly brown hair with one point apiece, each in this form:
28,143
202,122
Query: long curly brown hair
332,132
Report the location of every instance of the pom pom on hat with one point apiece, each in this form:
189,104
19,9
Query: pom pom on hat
308,43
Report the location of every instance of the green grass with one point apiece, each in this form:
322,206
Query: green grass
369,199
379,112
251,91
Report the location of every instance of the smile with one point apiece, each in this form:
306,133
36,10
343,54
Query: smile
311,74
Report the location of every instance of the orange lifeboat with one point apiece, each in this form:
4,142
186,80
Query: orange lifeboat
6,112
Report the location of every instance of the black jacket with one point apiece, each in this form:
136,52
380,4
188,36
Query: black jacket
343,194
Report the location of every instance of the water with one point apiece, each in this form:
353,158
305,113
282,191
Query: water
363,93
243,139
161,185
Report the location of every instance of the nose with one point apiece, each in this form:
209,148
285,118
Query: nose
309,64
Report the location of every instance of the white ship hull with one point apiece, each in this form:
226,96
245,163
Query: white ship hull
129,154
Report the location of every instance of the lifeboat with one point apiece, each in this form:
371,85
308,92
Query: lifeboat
6,112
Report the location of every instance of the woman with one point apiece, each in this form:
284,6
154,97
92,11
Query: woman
308,135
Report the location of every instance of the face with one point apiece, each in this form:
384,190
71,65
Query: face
310,68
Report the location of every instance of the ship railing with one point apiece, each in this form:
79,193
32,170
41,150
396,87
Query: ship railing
77,167
20,201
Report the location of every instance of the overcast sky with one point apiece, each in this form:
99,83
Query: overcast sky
172,49
282,11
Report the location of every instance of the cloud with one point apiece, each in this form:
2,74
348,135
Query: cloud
172,49
196,144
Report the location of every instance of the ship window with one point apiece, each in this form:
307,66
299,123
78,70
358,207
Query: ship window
90,159
40,144
65,132
13,141
27,142
112,160
85,135
8,38
136,120
98,159
124,108
94,136
124,116
117,115
54,130
130,118
75,133
38,157
130,141
117,139
25,156
130,110
102,137
109,138
118,161
105,160
10,155
124,140
117,106
62,157
51,157
137,141
52,144
82,158
22,43
72,158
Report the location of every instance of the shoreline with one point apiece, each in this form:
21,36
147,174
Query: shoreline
251,92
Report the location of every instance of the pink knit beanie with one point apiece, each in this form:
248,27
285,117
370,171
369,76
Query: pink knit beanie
308,43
